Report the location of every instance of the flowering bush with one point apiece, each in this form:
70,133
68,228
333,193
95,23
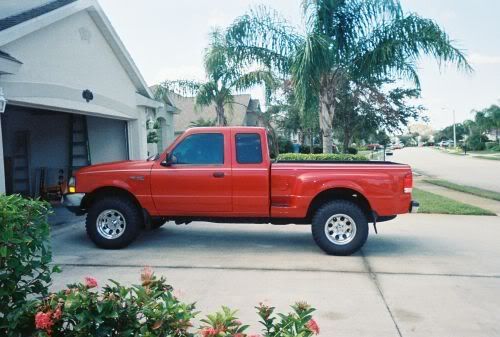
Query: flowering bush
25,271
149,310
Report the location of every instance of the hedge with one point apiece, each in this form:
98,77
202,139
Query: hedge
322,156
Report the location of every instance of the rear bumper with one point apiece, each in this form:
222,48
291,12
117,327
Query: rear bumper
73,202
414,205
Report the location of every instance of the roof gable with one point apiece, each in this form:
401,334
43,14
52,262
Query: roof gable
26,22
13,20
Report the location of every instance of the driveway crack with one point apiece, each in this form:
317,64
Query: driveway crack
376,282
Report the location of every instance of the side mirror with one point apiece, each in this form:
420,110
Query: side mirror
167,161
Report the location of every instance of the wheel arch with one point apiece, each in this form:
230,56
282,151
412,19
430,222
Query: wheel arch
340,193
108,191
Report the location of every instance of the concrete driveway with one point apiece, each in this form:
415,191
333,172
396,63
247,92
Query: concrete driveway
423,275
470,171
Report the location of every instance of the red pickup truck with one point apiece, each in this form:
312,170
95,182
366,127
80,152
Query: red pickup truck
228,175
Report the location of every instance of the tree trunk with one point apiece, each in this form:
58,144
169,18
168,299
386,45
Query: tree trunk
221,118
325,123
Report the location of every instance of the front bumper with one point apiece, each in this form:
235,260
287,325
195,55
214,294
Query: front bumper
73,202
414,205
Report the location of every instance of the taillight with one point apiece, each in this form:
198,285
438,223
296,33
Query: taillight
408,183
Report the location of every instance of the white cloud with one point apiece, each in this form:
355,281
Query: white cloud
480,59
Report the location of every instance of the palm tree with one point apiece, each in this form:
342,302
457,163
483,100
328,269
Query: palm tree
345,42
224,78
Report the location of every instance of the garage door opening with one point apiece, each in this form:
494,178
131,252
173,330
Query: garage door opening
42,148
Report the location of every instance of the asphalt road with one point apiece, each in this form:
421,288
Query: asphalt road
470,171
423,275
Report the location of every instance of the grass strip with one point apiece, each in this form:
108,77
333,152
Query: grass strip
466,189
436,204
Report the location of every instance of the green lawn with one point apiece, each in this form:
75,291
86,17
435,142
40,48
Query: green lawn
466,189
433,203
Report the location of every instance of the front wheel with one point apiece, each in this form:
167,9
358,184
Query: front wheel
340,228
113,222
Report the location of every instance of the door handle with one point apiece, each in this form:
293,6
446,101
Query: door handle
218,174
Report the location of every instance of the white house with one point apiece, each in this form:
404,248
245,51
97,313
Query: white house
73,94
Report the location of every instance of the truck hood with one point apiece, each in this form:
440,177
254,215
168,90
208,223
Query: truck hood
118,166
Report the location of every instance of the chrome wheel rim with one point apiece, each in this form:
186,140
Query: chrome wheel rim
111,224
340,229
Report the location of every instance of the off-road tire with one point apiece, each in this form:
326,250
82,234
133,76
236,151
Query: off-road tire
325,212
130,211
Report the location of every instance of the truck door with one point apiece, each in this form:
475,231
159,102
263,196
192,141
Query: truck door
198,180
251,167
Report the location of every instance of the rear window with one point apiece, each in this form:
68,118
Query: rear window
248,148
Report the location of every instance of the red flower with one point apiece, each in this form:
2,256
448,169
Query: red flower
313,326
209,332
90,282
43,320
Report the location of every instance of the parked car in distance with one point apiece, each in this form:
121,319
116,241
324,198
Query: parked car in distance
226,174
389,151
398,146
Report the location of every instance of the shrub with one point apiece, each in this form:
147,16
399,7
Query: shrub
285,145
322,157
25,255
352,150
476,142
151,309
307,149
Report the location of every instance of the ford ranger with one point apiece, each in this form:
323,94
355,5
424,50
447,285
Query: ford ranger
228,174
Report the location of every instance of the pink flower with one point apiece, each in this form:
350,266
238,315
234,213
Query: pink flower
146,276
90,282
209,332
313,326
57,314
257,335
239,334
43,320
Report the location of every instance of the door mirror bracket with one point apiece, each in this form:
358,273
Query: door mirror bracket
167,161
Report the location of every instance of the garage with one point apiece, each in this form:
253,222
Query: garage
70,95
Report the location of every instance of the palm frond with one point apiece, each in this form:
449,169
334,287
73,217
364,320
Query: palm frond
256,77
262,36
181,87
394,46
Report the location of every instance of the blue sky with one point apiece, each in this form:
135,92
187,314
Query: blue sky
166,40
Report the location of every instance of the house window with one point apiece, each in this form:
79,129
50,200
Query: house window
248,148
200,149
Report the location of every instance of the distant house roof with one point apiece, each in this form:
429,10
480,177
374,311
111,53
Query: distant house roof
243,112
30,13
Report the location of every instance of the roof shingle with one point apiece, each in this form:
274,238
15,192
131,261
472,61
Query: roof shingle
14,20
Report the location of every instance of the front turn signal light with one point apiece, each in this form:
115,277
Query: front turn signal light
72,185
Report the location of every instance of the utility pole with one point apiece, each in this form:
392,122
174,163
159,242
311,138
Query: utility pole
454,131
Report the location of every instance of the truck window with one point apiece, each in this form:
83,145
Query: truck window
248,148
200,149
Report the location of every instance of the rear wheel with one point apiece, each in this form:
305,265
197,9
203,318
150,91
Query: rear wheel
340,228
113,222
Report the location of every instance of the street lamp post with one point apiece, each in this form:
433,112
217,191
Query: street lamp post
454,131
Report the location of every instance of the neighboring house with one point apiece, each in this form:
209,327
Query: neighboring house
74,95
245,111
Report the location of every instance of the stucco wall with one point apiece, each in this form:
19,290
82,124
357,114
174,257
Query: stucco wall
73,53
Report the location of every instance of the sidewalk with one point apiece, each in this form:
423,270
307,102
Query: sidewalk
488,204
